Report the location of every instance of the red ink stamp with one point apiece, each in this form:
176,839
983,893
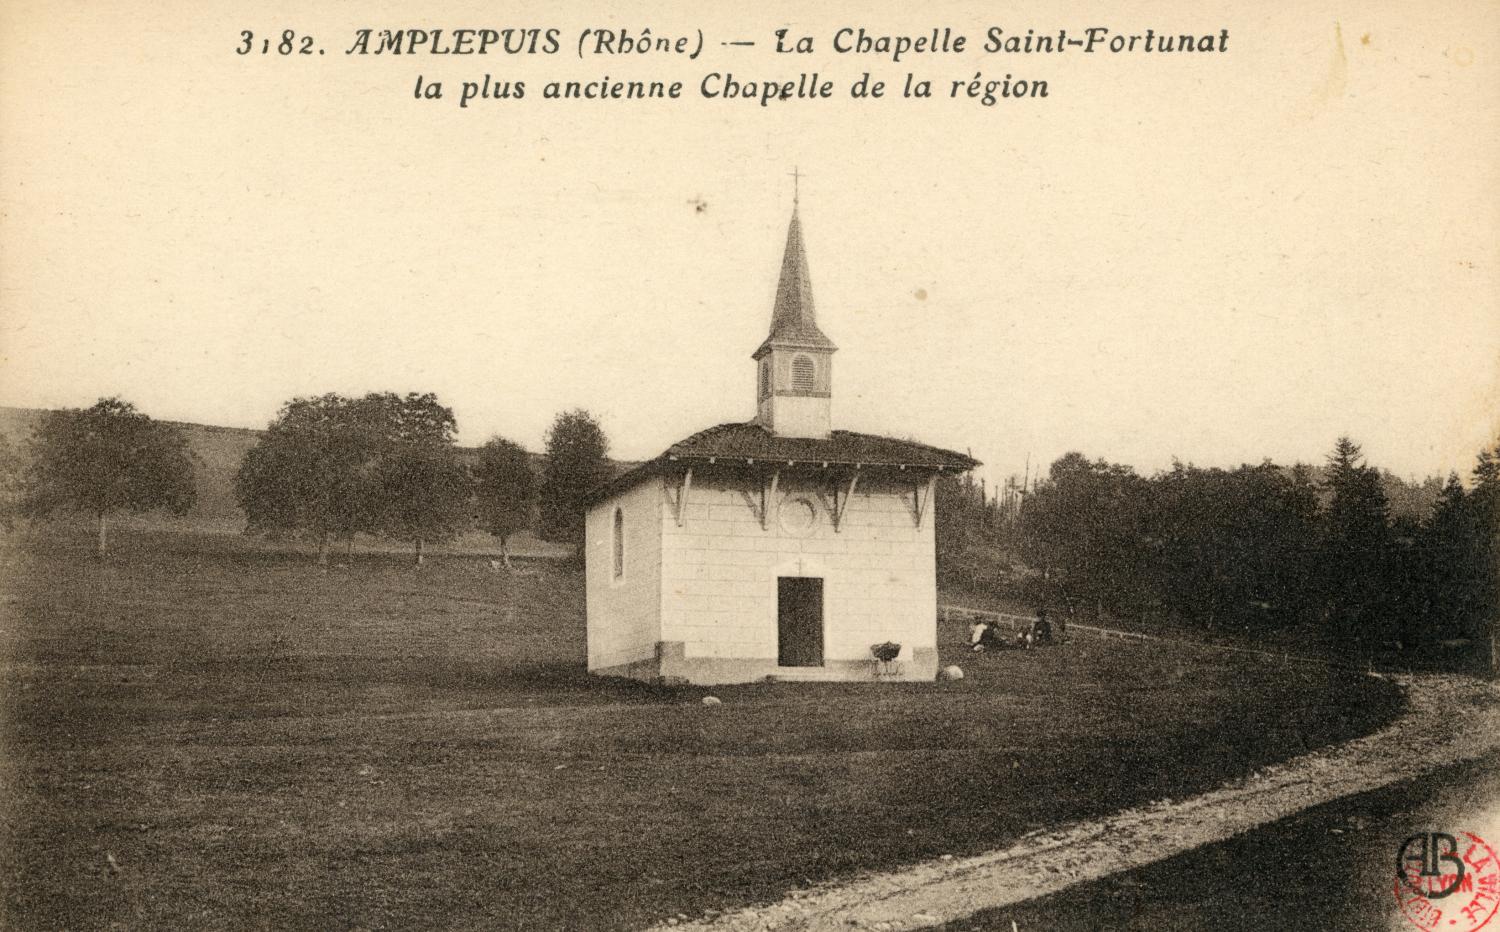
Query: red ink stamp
1447,882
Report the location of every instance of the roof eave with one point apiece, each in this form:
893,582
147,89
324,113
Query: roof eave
825,345
729,458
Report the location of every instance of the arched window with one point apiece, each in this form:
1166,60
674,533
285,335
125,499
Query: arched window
619,542
765,378
804,374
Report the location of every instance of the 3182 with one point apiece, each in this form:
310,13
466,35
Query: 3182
289,44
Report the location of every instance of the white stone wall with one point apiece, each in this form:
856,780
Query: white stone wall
720,570
799,415
624,615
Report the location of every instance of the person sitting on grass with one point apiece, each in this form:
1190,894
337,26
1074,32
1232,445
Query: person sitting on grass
993,639
978,635
1041,628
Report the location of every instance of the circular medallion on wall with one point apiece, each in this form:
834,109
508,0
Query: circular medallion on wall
798,515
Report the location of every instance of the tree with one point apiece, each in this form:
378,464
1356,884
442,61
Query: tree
575,464
105,459
1082,529
1448,586
332,467
11,475
421,488
313,472
1487,471
1484,557
1297,568
1456,592
1357,547
1231,546
504,490
1358,509
1482,553
968,545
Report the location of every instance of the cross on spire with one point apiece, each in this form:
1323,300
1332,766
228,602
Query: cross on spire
796,177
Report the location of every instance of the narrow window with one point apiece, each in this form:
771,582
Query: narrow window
765,378
619,541
804,374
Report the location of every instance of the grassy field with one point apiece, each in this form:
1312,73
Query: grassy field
204,734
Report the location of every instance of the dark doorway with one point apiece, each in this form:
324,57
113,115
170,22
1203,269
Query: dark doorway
799,621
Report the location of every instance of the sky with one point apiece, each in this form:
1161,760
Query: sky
1216,258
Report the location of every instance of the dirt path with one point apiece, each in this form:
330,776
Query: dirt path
1447,720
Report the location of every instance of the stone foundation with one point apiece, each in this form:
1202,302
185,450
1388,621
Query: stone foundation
671,666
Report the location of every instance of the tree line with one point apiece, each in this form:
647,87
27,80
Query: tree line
326,468
1260,548
1255,549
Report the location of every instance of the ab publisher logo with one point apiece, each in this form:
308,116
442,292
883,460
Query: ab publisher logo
1447,881
1441,871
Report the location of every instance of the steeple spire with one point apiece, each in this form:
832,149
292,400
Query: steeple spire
794,318
794,364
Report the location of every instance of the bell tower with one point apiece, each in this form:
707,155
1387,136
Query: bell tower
794,375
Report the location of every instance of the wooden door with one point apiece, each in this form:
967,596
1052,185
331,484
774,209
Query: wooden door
799,621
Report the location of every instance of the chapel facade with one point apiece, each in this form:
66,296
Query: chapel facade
775,548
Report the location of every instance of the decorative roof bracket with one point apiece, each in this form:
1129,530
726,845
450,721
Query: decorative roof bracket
767,498
921,496
842,504
683,488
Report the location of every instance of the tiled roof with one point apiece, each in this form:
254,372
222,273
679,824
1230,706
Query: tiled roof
751,441
794,319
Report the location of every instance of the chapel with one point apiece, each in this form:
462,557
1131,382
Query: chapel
773,548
